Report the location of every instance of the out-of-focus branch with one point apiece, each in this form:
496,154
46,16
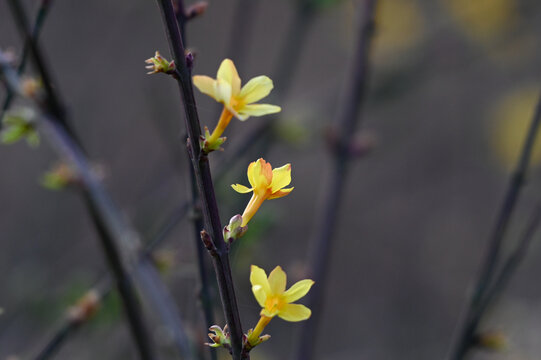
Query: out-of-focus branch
119,240
52,101
504,276
204,180
43,10
104,287
493,254
344,129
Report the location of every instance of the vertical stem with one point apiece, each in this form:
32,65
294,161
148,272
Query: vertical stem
328,214
204,181
204,294
204,291
239,37
469,326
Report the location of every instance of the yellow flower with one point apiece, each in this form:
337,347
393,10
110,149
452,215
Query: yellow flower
510,119
237,101
484,20
272,296
267,183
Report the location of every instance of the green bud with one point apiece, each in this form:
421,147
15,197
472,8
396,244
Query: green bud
234,230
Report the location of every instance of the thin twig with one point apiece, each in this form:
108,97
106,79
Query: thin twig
240,30
505,274
516,183
332,193
43,10
104,286
52,101
204,180
204,294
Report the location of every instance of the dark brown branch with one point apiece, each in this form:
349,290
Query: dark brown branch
204,293
43,10
332,193
493,254
204,180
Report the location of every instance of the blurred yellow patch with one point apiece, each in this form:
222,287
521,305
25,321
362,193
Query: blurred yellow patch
483,20
511,118
400,25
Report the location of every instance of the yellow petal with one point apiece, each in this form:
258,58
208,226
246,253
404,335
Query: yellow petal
241,188
281,177
252,169
294,312
206,85
228,73
277,280
280,193
256,89
222,91
298,290
257,110
260,175
259,277
259,295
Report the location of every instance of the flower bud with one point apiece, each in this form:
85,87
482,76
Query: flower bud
219,337
234,230
158,64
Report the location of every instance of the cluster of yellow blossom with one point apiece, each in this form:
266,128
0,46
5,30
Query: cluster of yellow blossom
265,183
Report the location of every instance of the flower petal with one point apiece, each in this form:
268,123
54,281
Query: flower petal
298,290
280,193
277,280
256,89
257,110
241,188
222,91
281,177
251,173
228,73
259,295
260,174
259,277
206,85
294,312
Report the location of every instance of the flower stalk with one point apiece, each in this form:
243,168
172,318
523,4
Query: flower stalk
203,176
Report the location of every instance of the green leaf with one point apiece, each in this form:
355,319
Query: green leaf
12,134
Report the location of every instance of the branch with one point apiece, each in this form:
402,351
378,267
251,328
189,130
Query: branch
52,102
197,221
503,277
204,180
120,241
516,183
43,10
328,213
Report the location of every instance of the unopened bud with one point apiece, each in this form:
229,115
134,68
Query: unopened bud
85,307
30,87
219,337
234,230
196,9
158,64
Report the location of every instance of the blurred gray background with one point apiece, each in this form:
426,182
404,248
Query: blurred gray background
452,87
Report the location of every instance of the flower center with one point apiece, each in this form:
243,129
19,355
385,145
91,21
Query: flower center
274,304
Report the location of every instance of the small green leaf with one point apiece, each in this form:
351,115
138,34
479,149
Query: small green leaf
12,134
